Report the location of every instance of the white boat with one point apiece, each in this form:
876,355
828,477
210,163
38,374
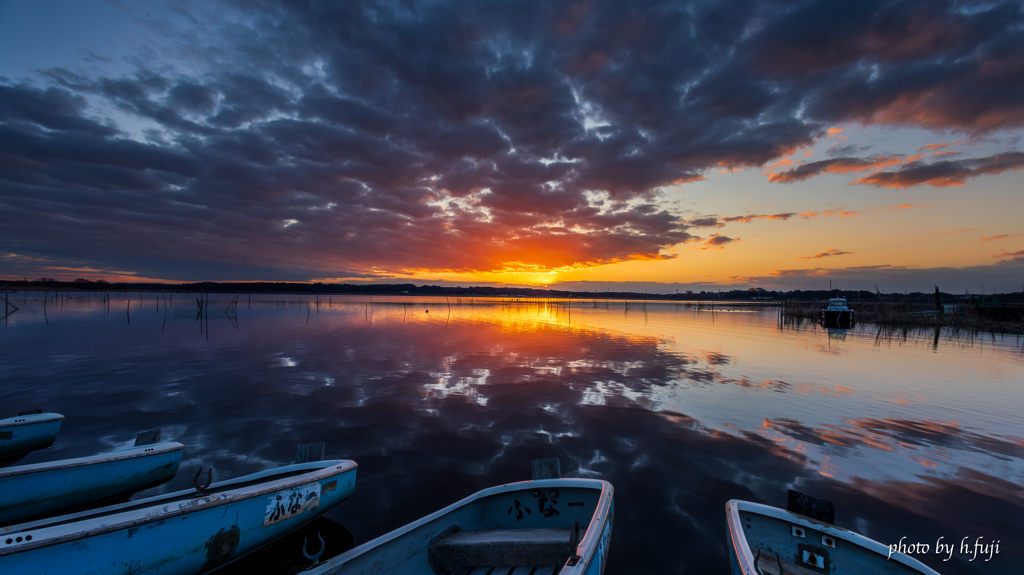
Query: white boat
29,492
187,532
765,540
538,527
26,433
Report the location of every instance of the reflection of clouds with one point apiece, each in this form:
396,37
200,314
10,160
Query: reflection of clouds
432,414
933,445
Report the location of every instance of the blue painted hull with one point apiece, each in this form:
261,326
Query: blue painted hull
29,492
24,434
180,533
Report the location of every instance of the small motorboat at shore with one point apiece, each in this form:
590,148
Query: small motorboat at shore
538,527
187,532
765,540
25,433
29,492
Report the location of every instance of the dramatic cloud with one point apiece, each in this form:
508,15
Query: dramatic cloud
281,140
825,254
833,166
944,173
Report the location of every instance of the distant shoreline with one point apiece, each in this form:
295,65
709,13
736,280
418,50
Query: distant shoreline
767,297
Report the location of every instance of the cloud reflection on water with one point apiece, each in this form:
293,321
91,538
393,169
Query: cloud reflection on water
435,407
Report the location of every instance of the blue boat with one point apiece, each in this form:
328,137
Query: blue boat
538,527
765,540
29,492
26,433
187,532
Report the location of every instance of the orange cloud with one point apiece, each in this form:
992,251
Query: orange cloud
945,154
834,166
999,237
939,146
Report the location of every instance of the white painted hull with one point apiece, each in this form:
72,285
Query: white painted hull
404,551
799,542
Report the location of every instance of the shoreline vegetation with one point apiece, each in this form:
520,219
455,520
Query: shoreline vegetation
1002,312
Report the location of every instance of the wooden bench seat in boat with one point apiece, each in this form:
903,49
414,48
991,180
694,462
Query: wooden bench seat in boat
457,551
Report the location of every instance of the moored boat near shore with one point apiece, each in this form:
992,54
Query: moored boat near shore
541,527
187,532
29,492
837,313
765,540
26,433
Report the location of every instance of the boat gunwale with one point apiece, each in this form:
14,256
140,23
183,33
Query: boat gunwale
57,534
109,457
588,544
745,558
19,420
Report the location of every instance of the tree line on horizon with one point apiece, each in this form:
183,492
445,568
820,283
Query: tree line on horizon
82,284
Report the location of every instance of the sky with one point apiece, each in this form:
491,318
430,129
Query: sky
591,145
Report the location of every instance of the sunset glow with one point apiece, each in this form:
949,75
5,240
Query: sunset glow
566,147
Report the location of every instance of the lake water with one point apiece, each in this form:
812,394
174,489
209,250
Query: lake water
912,435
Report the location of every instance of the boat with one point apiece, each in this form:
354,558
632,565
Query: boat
29,492
29,431
837,313
186,532
538,527
765,540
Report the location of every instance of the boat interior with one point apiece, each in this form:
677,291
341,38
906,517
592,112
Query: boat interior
797,548
522,532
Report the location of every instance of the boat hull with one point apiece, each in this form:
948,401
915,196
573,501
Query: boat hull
29,492
527,505
24,434
772,537
179,533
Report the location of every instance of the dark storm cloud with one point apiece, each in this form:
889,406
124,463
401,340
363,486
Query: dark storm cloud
375,137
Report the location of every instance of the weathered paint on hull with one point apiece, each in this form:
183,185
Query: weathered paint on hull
30,492
24,434
189,536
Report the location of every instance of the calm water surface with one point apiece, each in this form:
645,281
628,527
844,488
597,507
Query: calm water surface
915,435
